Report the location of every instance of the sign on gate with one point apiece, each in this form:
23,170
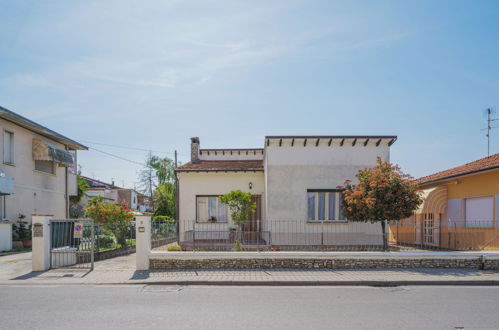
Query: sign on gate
78,230
72,243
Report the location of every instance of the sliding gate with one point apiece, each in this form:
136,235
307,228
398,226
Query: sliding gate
72,243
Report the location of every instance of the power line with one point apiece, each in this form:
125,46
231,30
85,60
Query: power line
127,147
118,157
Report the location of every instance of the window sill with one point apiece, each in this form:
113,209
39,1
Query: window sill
10,164
45,173
327,221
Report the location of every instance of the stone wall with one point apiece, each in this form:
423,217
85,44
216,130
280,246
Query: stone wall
325,263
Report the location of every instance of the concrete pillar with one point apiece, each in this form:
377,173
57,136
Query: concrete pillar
40,260
142,241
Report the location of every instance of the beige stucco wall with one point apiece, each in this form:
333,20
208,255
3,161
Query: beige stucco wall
212,183
290,171
34,192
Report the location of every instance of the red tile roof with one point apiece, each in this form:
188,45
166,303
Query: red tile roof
222,165
487,163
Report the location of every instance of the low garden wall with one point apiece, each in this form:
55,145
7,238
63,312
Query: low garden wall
322,262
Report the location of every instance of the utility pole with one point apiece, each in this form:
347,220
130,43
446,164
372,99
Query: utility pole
489,127
176,197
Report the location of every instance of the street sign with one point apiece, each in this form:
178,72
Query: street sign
78,230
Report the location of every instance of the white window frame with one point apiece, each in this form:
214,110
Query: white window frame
11,162
337,217
218,205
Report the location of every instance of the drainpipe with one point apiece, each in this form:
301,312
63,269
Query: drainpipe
66,189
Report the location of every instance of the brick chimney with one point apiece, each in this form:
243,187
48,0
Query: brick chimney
194,149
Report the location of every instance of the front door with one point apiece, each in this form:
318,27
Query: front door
253,228
430,229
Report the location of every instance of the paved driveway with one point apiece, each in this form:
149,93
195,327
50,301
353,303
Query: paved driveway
15,265
19,266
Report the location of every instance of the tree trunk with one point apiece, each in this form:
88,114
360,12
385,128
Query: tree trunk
385,239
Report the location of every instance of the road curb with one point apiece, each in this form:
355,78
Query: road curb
272,283
325,283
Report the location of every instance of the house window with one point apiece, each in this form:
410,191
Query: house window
45,166
479,211
325,205
8,147
210,209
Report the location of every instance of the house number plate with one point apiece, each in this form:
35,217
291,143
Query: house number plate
142,229
37,230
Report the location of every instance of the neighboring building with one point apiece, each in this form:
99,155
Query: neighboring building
114,194
295,181
460,209
38,169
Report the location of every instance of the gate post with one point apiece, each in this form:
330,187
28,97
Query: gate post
40,260
142,241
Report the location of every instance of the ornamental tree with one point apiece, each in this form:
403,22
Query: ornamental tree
114,218
240,204
384,193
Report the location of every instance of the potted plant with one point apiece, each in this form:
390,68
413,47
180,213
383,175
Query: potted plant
212,219
23,231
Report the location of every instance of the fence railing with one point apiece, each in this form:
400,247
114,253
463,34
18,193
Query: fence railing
460,235
109,237
163,234
280,235
303,235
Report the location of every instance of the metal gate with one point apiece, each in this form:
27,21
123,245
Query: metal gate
72,243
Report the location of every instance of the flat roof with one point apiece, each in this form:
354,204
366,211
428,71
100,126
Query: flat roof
362,139
331,137
39,129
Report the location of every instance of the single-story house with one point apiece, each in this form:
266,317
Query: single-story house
296,183
460,209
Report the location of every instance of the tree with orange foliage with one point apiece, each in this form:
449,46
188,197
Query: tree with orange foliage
384,193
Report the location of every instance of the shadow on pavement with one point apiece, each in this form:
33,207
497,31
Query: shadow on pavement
54,273
140,275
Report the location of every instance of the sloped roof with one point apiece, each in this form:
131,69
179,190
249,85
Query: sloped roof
484,164
39,129
94,183
222,165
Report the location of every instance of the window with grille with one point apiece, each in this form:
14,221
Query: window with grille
325,205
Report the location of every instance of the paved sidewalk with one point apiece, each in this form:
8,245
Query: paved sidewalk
121,270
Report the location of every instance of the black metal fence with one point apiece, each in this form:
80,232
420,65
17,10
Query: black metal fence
164,234
281,235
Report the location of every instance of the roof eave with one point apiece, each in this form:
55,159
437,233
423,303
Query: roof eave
220,170
39,129
425,183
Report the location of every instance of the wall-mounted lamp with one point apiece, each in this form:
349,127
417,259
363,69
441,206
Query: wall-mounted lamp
250,185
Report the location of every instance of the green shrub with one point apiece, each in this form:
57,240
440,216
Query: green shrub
163,219
105,241
237,246
174,248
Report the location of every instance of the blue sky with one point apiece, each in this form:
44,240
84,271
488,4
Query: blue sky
151,74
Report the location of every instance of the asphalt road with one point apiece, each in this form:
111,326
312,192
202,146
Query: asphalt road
203,307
